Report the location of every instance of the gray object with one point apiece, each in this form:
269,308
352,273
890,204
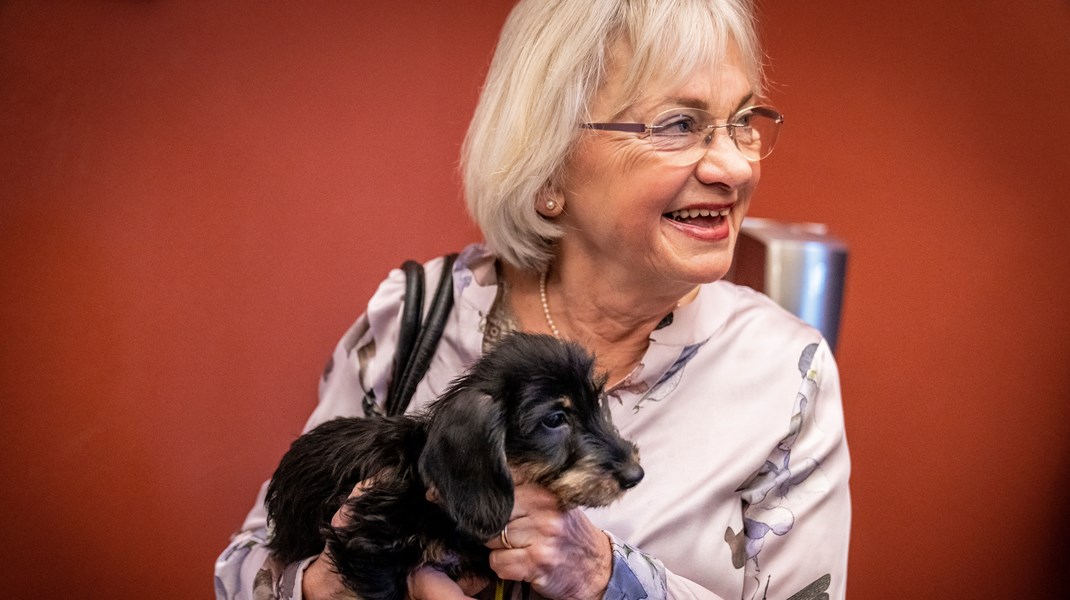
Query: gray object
798,265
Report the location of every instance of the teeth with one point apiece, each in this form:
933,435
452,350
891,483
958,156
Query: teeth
698,212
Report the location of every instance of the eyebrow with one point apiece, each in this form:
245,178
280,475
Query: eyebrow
699,103
686,102
745,101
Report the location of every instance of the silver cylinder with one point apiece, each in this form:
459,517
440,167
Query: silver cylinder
799,265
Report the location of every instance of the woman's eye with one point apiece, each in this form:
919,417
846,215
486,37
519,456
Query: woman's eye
743,119
554,420
679,125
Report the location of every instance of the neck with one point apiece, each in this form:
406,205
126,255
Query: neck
546,306
611,303
614,325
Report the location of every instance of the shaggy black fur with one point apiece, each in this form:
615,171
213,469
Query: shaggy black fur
531,409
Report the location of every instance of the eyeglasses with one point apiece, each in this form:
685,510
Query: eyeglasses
682,136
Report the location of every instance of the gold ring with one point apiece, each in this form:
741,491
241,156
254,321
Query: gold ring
505,538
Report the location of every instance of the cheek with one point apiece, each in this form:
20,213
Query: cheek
746,193
756,174
633,157
626,198
544,455
607,172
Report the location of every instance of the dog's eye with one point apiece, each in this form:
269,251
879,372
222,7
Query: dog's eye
554,420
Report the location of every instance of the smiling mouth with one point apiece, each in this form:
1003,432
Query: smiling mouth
700,217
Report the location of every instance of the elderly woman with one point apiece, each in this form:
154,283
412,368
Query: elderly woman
610,163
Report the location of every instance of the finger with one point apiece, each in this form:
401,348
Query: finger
341,516
495,543
508,538
321,576
528,498
472,584
431,584
511,566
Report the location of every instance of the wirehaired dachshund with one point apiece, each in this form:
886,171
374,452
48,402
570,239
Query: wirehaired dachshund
440,483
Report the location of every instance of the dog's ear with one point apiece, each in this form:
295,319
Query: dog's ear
463,463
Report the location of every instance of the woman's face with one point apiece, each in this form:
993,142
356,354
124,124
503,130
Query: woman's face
629,213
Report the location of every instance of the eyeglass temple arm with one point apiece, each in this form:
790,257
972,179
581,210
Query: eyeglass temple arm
629,127
767,111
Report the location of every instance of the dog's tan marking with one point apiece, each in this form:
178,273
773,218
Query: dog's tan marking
586,484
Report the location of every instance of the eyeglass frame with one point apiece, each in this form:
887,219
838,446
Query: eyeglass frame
729,127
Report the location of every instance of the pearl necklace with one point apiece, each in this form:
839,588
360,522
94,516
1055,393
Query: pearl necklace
546,305
550,320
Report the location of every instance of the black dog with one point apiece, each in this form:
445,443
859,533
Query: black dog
530,409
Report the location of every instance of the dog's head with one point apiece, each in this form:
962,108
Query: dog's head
530,408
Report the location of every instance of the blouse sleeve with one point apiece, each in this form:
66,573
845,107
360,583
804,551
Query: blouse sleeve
796,510
639,576
246,570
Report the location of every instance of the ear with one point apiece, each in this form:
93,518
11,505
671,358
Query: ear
464,463
549,202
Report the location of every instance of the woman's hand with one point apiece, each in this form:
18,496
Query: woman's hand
321,580
428,583
562,554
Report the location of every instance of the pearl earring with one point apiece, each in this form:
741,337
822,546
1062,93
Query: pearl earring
549,206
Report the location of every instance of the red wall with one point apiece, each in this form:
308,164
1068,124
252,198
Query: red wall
197,197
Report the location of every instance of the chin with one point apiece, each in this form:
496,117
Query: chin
715,262
707,268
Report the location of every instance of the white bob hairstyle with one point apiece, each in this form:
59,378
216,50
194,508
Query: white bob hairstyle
550,62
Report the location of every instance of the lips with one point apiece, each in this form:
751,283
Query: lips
694,213
707,223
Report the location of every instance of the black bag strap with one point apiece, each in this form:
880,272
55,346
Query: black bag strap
417,342
412,310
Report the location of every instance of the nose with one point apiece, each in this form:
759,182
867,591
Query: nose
723,163
629,475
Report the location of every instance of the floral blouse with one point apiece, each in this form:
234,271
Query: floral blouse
737,413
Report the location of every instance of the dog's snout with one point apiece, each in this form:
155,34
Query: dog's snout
630,475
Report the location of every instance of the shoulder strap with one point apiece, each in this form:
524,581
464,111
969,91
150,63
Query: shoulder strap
412,309
416,342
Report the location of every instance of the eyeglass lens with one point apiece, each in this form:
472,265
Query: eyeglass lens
683,135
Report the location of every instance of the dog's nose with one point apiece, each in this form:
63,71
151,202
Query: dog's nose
629,476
